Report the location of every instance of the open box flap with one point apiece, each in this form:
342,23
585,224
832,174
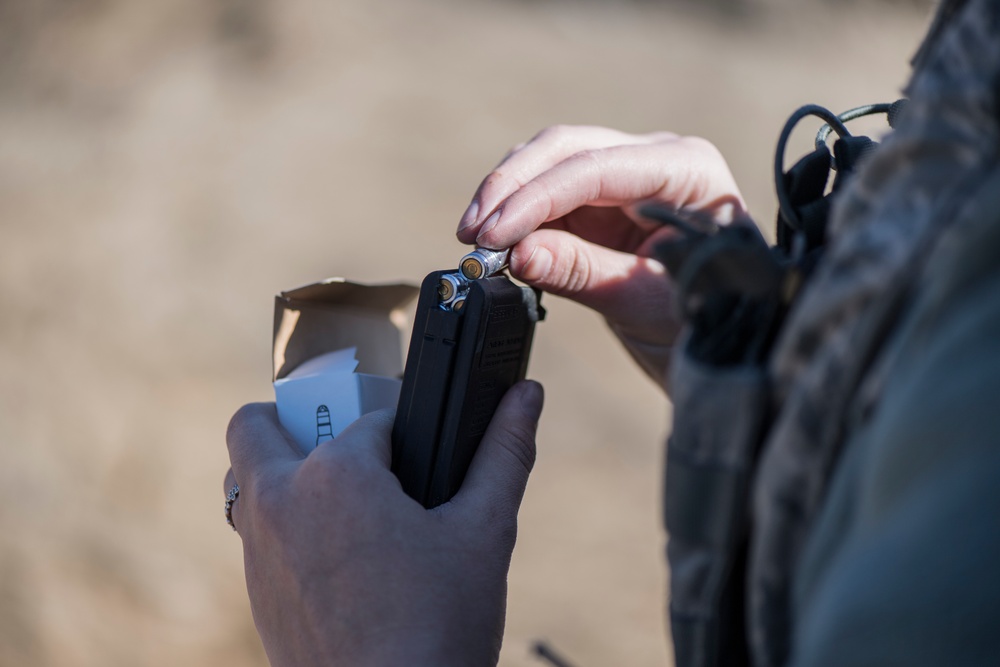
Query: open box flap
336,314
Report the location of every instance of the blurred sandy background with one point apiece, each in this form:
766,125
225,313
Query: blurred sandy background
166,167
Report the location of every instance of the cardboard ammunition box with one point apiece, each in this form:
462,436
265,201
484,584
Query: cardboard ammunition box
337,354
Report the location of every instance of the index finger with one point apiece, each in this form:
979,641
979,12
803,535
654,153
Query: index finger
545,150
257,441
685,173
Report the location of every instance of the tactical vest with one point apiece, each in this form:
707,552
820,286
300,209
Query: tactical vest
734,294
782,352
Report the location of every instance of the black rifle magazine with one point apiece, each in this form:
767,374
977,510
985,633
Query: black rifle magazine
459,366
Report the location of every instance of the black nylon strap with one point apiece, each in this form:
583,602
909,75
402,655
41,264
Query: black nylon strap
704,503
804,184
695,640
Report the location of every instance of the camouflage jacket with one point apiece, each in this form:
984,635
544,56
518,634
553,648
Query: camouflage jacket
754,449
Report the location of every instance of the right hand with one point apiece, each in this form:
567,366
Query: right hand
566,203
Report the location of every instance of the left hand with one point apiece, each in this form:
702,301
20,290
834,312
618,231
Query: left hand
343,568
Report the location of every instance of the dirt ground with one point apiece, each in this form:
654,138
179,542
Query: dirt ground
166,167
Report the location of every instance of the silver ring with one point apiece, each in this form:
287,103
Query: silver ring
231,497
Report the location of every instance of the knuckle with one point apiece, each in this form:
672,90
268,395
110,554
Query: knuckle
663,136
591,166
576,276
588,154
237,422
243,421
589,157
701,145
334,469
515,148
382,419
709,159
556,133
494,180
550,132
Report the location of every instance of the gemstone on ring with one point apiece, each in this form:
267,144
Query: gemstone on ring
231,497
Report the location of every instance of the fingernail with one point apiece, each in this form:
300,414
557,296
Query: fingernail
532,399
490,223
469,217
537,266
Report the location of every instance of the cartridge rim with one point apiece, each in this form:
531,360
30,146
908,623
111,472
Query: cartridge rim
483,263
450,287
473,267
446,290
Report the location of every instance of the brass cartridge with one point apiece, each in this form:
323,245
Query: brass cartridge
483,263
451,286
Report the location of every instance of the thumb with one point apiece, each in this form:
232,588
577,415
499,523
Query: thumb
499,471
615,284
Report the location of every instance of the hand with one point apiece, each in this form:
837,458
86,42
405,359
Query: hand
343,568
566,203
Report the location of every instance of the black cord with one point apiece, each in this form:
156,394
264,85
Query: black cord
691,223
784,203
